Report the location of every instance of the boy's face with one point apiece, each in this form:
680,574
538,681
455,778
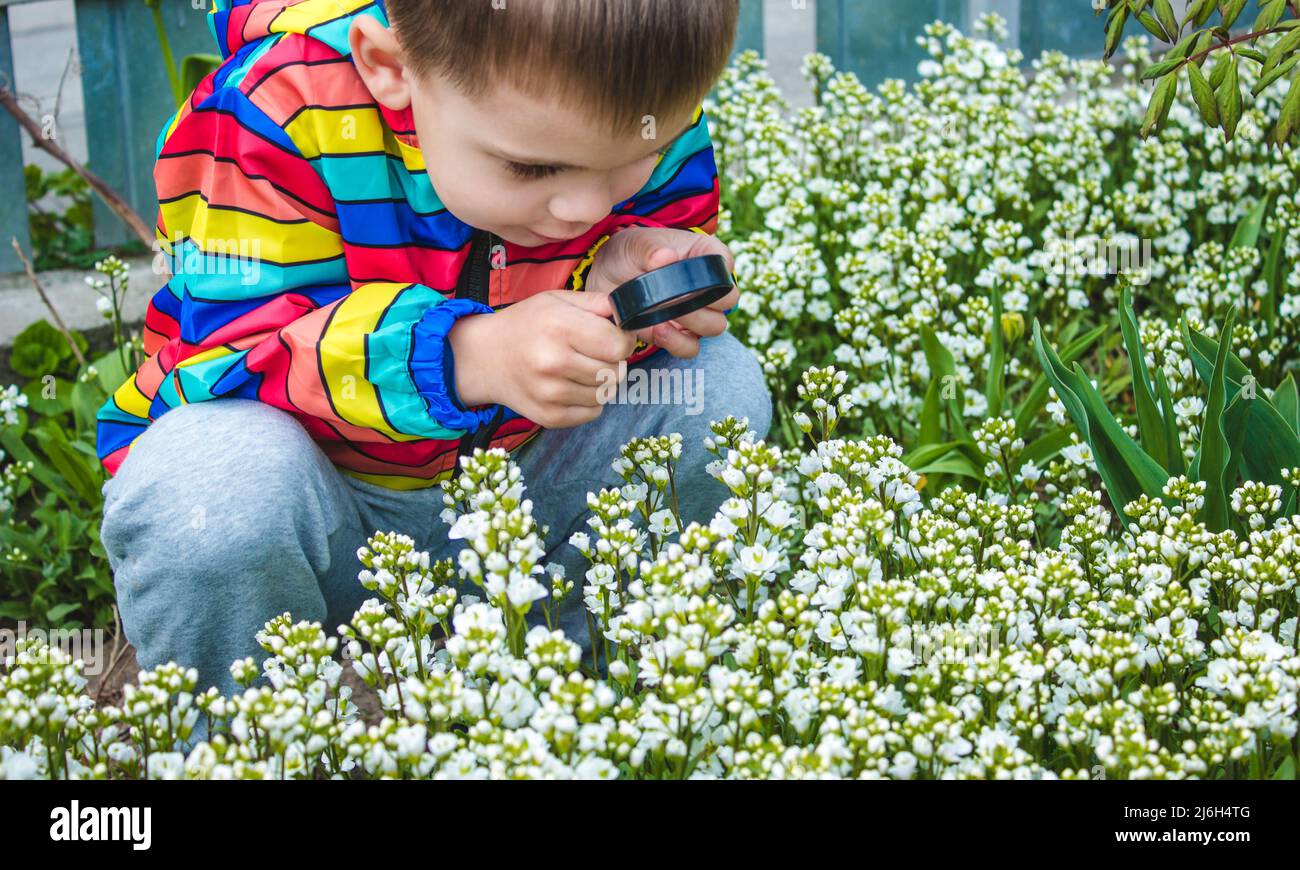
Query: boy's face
532,171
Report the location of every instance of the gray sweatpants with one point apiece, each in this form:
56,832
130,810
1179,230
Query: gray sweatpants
226,514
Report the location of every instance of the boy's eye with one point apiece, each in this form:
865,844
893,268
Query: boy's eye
530,171
533,171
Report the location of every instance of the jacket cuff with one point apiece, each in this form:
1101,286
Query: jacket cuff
432,366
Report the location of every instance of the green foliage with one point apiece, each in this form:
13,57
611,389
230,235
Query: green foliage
41,350
1245,435
53,568
1209,28
61,238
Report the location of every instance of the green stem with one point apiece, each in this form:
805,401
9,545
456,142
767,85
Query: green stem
173,77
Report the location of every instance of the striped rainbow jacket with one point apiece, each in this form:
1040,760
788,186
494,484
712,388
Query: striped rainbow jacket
361,271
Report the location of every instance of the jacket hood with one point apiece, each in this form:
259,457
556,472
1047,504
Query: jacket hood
240,24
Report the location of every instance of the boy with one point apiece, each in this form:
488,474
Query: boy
421,185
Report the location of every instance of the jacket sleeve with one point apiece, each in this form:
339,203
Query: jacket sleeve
682,193
260,304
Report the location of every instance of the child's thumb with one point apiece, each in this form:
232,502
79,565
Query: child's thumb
596,303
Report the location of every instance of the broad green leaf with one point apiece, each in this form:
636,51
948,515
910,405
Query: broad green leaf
1203,94
1262,441
1173,447
1150,425
1037,397
953,463
1287,402
1277,72
943,371
1046,446
1202,350
1214,442
1161,99
1247,233
1227,96
1271,274
1288,119
994,389
1125,469
931,426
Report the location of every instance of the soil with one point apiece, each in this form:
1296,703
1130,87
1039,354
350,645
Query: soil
106,688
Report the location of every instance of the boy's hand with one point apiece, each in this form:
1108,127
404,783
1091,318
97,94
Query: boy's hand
634,251
545,357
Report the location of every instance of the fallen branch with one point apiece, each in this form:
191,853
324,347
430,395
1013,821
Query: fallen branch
58,321
110,196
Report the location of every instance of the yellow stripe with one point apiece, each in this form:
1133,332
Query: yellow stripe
339,131
301,17
220,230
579,274
398,481
210,353
129,398
343,356
412,157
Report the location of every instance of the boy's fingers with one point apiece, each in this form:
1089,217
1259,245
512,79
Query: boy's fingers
676,342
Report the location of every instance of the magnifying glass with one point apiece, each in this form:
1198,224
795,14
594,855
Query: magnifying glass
671,291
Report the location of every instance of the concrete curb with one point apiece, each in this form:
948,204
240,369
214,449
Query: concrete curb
20,305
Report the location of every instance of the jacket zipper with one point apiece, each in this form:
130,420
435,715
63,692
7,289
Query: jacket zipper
476,288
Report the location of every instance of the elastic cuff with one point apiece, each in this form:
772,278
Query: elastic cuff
433,368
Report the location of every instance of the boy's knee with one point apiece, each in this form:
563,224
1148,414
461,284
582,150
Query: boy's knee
211,495
735,384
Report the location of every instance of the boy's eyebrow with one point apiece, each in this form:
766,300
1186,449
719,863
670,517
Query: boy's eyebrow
532,161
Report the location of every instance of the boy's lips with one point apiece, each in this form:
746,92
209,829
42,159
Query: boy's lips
553,239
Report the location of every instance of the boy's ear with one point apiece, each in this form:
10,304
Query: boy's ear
378,59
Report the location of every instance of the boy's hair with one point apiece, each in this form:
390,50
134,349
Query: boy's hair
622,59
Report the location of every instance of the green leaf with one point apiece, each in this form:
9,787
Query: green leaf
1125,469
1161,99
1200,11
943,371
1147,20
1266,79
931,424
1288,119
1165,13
1046,446
1160,68
953,463
1262,441
1202,350
1271,273
1214,442
1033,403
1115,28
1287,402
1283,47
928,453
994,389
1203,94
1227,97
1269,14
1286,771
1150,425
1174,460
1230,9
1247,233
195,67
